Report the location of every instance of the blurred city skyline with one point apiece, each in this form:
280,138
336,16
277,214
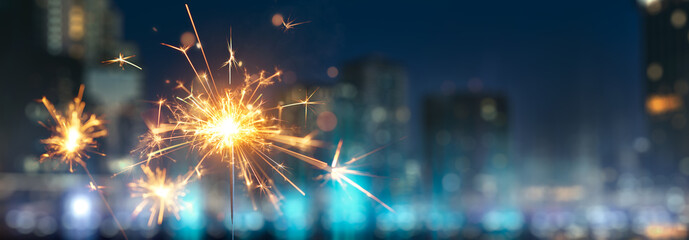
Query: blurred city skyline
499,119
553,63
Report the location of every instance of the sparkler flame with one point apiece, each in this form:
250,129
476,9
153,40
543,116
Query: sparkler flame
229,124
74,133
232,125
163,194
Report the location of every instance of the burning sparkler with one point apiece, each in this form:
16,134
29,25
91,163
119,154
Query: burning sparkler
73,137
163,194
73,133
231,125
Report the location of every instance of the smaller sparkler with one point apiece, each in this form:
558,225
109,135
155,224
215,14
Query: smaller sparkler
164,195
73,134
122,60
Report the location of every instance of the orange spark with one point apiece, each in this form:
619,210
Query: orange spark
289,24
122,60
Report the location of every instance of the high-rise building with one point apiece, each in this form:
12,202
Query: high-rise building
666,47
466,149
316,121
372,111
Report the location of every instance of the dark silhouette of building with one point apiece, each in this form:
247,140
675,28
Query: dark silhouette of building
372,111
666,44
29,73
466,150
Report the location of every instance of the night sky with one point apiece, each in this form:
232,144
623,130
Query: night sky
571,69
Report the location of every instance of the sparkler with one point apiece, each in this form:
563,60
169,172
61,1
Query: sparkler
73,134
164,195
73,137
233,125
122,60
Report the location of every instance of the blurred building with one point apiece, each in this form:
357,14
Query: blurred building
30,73
372,112
666,49
466,150
304,119
314,120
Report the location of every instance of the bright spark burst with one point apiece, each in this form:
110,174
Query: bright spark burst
122,60
231,125
73,133
162,194
339,174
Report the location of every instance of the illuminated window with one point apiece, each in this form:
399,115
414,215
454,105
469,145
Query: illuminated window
659,104
76,23
652,6
678,18
654,71
54,27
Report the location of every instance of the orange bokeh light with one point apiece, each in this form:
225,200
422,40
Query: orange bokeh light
659,104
